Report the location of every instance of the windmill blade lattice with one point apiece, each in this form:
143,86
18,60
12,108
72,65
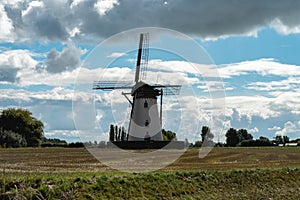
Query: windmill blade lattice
169,89
111,85
145,56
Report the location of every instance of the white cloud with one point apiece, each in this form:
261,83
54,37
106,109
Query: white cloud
116,55
18,59
262,67
290,128
251,106
274,128
13,62
254,130
6,33
285,29
276,87
103,6
31,6
68,133
288,101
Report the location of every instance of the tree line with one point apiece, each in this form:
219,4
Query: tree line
242,138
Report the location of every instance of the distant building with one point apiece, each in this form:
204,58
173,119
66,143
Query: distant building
291,144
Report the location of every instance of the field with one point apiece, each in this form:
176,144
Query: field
225,173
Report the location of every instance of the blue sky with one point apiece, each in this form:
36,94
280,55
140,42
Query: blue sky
48,48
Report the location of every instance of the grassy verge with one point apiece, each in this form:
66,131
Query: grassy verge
235,184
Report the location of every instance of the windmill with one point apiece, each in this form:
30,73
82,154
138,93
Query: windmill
145,118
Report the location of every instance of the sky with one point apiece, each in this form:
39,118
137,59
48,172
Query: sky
50,56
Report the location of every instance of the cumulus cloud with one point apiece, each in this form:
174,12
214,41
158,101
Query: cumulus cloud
290,128
14,61
254,130
6,26
103,6
55,20
67,60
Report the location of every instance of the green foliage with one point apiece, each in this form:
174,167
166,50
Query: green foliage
11,139
232,137
239,138
117,133
76,145
47,142
256,143
111,133
20,121
183,184
279,139
168,135
244,135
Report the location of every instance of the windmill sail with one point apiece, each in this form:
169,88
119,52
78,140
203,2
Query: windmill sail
142,57
111,85
145,57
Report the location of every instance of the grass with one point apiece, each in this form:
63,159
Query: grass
226,173
198,184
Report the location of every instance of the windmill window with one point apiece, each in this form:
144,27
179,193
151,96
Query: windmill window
146,104
147,123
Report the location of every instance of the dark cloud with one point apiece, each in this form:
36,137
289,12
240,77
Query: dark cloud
55,20
68,59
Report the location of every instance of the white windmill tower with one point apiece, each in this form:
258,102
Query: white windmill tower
145,118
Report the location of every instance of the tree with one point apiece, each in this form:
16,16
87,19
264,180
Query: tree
232,137
286,139
256,143
20,121
11,139
123,134
111,133
278,139
206,134
168,135
116,133
48,142
197,144
244,135
119,134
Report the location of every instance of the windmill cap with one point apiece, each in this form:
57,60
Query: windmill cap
137,86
